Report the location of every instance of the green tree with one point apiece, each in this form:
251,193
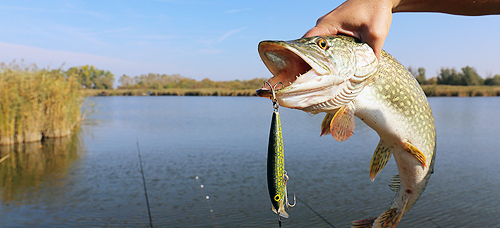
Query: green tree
103,80
92,78
470,77
449,76
207,83
493,81
126,81
419,74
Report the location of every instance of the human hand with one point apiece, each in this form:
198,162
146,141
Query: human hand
367,20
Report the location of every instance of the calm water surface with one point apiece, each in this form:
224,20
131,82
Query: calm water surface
94,179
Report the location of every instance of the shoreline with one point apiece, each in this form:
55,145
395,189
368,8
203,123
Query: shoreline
429,90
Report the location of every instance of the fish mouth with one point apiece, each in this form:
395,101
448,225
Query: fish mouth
288,65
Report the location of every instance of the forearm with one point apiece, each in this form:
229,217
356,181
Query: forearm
457,7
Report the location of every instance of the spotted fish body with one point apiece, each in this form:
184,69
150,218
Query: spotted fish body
342,77
276,174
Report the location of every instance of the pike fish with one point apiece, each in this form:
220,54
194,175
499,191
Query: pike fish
276,174
342,77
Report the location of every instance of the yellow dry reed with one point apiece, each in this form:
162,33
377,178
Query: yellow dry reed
460,91
36,102
172,92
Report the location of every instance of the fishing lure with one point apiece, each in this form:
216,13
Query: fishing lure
276,174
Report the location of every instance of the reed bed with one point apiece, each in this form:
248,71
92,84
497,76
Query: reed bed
171,92
430,91
37,102
460,91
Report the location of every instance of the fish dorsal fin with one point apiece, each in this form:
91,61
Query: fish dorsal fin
416,153
380,158
325,125
342,124
395,183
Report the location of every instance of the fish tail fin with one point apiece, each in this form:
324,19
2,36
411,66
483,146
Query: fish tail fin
388,219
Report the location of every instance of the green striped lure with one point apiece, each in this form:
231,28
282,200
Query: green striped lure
276,174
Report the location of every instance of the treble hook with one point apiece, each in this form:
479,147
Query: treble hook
285,180
273,88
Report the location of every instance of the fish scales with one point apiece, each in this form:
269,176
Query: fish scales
395,87
342,77
395,91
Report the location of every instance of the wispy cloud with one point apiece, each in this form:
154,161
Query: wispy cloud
227,34
108,31
21,8
45,10
55,59
185,2
238,10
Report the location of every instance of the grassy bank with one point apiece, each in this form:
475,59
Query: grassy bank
37,102
430,91
461,91
170,92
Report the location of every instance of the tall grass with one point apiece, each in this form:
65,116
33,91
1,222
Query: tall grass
172,92
37,102
460,91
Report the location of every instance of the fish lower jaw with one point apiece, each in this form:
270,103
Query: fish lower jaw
306,98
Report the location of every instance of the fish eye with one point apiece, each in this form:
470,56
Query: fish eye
322,44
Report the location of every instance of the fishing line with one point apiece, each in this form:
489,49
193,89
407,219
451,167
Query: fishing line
435,223
315,212
144,183
202,187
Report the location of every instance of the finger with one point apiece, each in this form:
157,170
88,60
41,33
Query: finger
319,30
377,47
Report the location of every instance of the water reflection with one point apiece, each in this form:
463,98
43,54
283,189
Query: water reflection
27,167
223,140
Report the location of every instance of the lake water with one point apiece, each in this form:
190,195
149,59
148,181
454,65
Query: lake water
94,178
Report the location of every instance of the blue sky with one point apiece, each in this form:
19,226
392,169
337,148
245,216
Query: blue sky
218,39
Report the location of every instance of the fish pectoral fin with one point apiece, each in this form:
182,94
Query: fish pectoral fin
391,217
342,124
416,153
380,158
325,125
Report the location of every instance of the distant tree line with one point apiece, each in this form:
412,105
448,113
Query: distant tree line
450,76
446,76
164,81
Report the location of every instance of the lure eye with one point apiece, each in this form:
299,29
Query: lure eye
277,198
322,44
